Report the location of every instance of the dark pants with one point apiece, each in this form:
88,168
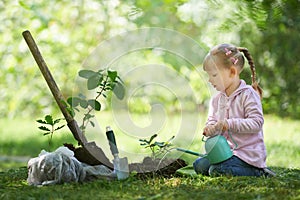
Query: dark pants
233,167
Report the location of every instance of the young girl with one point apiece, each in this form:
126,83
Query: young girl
236,108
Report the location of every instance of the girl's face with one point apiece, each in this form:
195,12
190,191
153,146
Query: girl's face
219,77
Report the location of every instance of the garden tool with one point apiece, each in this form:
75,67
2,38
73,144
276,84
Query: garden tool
121,167
216,147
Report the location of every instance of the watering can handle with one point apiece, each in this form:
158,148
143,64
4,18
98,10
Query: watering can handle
230,135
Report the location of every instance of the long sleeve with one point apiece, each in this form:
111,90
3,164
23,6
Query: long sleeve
252,120
212,119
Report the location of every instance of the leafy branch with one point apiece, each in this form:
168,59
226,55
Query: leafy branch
102,81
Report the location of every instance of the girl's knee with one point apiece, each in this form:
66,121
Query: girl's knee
201,166
218,170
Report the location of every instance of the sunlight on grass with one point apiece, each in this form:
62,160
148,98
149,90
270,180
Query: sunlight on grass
282,141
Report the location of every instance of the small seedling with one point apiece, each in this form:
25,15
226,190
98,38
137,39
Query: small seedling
157,148
49,126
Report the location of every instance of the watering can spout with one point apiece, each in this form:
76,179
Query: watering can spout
190,152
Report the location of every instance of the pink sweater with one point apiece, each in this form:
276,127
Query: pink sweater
243,112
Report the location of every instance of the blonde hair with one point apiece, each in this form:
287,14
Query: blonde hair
228,55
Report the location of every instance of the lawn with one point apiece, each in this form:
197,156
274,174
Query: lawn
22,141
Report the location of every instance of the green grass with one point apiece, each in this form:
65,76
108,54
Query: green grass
20,137
285,186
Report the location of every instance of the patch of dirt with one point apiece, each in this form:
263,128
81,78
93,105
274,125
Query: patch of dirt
157,167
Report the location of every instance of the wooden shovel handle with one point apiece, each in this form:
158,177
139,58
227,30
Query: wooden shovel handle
53,87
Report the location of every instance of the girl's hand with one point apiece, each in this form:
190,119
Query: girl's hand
216,129
209,130
221,126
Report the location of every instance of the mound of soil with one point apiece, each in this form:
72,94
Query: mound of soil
157,167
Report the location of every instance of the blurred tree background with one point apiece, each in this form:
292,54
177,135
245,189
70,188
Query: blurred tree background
68,31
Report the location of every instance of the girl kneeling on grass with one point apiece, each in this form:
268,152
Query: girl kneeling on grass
236,108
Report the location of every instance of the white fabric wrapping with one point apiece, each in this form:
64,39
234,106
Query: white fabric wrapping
61,166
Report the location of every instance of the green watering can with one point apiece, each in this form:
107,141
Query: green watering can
216,147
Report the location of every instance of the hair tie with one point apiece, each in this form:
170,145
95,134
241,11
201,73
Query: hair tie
234,60
228,52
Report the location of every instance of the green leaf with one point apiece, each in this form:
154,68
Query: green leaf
49,119
94,104
88,116
47,133
43,128
159,144
171,139
81,96
64,103
57,121
71,111
60,127
152,137
108,88
94,81
86,73
112,75
92,123
118,78
73,101
144,141
84,103
41,121
82,127
119,90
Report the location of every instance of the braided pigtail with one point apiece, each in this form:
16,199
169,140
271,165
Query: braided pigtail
253,71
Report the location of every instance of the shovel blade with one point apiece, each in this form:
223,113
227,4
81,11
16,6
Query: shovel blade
121,168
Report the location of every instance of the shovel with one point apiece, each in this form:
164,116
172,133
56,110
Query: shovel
121,167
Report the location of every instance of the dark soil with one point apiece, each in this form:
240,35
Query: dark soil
157,167
83,156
